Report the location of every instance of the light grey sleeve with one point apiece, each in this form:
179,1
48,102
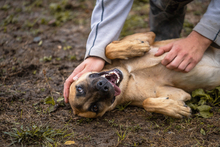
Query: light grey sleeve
107,21
209,25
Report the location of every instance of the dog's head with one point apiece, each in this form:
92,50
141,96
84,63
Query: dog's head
93,93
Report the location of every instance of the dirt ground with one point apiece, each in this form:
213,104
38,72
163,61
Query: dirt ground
41,42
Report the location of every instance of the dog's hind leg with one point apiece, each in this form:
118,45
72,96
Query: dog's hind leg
131,46
169,102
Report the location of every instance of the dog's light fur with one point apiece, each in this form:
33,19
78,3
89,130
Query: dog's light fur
147,83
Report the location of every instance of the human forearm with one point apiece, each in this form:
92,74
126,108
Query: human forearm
209,25
107,21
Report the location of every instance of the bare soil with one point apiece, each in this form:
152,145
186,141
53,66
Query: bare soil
40,47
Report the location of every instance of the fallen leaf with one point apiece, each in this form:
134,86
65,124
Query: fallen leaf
202,131
69,142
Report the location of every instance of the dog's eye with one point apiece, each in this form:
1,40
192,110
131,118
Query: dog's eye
79,89
94,108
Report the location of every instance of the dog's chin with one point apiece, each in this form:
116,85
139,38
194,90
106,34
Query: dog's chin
114,77
89,114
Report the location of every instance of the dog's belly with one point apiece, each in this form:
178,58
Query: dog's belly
147,74
205,75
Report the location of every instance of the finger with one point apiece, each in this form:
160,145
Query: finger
77,70
169,58
67,84
70,80
190,67
174,64
82,72
164,49
183,65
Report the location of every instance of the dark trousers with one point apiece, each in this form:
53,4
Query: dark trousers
167,17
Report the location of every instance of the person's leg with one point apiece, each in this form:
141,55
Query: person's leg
167,17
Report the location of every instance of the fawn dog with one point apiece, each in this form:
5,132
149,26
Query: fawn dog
138,77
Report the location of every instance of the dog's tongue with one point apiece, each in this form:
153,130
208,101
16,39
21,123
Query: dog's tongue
117,90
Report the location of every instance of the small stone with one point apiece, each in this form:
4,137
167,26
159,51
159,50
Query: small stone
37,39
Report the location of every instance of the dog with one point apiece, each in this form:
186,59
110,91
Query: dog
138,77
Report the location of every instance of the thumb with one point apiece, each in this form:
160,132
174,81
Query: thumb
73,77
164,49
80,74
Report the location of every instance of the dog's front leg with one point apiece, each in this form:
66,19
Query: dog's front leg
170,101
131,46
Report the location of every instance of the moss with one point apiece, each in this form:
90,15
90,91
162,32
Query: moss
137,19
187,27
133,22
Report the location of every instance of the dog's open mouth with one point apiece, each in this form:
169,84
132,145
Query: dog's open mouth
114,77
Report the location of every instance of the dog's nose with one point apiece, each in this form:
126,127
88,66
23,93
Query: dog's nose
103,85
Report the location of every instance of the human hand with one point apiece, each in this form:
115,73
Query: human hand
88,65
184,54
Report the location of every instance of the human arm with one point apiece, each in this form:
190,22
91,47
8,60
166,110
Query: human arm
184,54
107,21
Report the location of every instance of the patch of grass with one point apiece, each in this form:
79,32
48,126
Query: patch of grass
112,123
122,107
58,59
30,24
58,7
197,13
53,105
133,22
60,13
141,2
136,128
84,120
187,27
10,19
156,125
72,57
202,101
38,135
85,138
67,47
122,134
5,7
46,58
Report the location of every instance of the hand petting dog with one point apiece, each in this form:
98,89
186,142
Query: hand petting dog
184,54
88,65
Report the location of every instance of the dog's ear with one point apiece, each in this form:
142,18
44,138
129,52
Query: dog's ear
131,46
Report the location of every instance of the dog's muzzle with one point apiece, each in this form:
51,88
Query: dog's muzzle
109,79
114,77
103,85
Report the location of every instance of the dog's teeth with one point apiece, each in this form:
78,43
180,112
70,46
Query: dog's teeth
117,80
103,76
117,75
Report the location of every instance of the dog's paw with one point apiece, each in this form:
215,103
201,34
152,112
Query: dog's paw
126,49
166,106
139,46
181,110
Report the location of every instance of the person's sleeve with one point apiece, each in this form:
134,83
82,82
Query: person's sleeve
107,20
209,25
